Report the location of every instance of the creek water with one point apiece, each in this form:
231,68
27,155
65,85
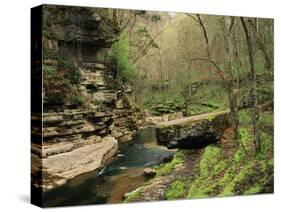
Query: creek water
123,175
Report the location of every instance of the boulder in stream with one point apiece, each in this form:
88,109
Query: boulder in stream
149,172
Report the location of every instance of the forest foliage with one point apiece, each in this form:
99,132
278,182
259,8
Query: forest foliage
200,64
121,57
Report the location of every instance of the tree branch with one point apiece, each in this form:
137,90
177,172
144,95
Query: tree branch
143,52
232,23
218,71
204,30
192,17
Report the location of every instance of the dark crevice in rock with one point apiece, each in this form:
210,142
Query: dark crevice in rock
199,142
194,132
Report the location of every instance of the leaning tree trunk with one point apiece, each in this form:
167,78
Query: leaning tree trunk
233,106
232,89
255,110
228,83
261,43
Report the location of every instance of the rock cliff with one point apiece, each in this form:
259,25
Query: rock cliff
85,113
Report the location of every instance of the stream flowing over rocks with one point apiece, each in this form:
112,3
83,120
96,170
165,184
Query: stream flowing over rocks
155,190
126,173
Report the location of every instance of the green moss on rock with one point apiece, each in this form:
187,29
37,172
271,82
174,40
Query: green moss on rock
177,190
167,168
211,164
133,195
225,174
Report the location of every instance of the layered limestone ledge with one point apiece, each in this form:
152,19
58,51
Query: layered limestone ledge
192,132
60,168
153,120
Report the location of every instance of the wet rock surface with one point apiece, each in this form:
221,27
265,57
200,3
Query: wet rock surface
149,172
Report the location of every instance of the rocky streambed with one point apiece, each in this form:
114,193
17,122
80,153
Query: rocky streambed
110,184
176,176
128,171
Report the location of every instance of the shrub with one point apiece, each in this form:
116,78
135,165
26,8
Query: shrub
245,117
61,83
244,139
266,119
266,144
78,100
121,57
49,53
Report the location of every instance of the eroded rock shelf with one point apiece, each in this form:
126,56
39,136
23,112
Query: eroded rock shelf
194,131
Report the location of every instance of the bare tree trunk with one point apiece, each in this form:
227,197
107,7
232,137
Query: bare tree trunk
232,52
255,109
161,69
228,83
231,90
232,94
236,52
237,83
261,43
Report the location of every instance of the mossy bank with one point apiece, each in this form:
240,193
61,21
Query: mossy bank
227,168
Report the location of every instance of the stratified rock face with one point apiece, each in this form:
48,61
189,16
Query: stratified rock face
70,162
126,119
79,138
192,132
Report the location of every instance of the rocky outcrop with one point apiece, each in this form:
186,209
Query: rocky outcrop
126,118
149,172
78,136
192,132
75,141
70,162
158,119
